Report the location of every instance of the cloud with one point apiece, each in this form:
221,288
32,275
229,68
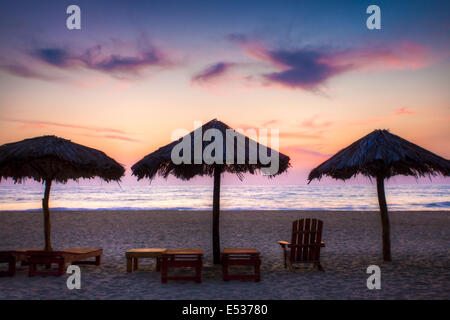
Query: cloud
304,69
95,59
102,132
301,135
270,122
310,68
25,72
212,72
387,118
403,110
301,150
312,123
112,59
54,56
112,137
64,125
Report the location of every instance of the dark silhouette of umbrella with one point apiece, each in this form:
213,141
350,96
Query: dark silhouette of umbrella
382,155
49,158
160,162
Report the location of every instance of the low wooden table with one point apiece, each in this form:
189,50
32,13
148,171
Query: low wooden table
61,258
241,257
173,258
134,255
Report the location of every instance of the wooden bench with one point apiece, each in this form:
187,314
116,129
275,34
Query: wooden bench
12,257
9,258
134,255
61,258
240,257
173,258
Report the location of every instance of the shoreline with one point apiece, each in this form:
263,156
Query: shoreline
170,210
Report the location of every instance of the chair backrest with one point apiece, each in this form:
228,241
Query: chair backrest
306,238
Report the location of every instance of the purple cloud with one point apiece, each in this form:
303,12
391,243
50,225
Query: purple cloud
309,68
24,72
98,57
54,56
212,72
304,69
94,59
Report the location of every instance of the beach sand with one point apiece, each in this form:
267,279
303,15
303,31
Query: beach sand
420,248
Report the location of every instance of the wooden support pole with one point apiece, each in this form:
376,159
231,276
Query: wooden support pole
46,211
216,215
384,219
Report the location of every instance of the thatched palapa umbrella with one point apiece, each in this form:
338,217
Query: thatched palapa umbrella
382,155
160,162
49,158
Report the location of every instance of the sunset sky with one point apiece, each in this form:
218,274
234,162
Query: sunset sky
138,70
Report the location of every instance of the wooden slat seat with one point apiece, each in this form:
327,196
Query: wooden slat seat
188,257
133,256
305,244
240,257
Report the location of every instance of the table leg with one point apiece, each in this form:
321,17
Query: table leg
98,260
129,265
198,271
225,269
257,271
61,267
136,263
12,267
158,264
164,270
32,270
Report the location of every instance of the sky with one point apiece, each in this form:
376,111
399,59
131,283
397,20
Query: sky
138,70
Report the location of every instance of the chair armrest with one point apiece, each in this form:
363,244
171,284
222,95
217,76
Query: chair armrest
283,244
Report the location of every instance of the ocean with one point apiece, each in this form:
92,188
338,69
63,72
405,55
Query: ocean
233,197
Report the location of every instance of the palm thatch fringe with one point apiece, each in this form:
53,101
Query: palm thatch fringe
57,159
382,153
160,161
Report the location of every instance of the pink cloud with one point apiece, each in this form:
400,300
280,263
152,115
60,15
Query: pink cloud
44,124
312,123
403,110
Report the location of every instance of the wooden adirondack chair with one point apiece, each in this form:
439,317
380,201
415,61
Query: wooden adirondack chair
305,243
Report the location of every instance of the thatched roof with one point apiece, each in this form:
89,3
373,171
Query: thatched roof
160,162
50,157
384,153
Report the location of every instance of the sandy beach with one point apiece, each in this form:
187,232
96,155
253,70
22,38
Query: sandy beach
420,247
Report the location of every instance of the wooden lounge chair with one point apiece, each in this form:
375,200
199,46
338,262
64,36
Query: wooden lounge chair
61,258
305,244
